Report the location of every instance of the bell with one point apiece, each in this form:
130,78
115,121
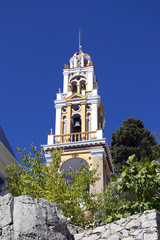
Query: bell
77,124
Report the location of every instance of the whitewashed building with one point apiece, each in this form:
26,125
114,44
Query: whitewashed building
6,158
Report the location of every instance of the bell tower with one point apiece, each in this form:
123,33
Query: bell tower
80,121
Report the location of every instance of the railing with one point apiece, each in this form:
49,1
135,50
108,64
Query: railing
74,137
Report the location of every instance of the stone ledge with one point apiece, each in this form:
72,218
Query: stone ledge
143,226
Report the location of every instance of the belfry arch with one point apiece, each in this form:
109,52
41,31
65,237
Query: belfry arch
78,76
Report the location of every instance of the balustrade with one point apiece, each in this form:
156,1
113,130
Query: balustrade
74,137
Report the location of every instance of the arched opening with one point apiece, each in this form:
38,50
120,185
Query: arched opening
89,122
83,85
74,163
74,87
76,123
64,125
77,77
76,127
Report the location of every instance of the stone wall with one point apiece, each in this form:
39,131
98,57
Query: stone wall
144,226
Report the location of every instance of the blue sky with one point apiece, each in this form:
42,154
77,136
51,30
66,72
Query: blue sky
38,37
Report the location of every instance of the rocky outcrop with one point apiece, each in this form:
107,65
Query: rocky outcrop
144,226
27,218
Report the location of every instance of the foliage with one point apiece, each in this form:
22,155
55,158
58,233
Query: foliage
157,135
37,179
132,138
137,189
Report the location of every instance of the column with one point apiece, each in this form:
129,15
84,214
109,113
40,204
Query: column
82,61
83,119
78,88
65,81
98,159
90,79
94,117
75,62
68,125
58,120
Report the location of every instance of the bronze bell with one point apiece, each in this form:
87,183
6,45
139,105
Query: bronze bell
77,126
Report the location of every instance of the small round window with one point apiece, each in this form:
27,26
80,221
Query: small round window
88,106
76,108
64,109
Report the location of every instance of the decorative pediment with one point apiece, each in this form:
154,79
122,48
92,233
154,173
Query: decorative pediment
75,96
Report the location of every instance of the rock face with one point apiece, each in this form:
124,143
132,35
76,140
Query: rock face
26,218
144,226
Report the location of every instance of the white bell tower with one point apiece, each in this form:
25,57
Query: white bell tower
80,120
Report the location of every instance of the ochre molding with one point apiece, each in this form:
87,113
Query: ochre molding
78,75
75,96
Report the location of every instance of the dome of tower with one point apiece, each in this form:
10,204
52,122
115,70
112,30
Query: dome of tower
80,59
81,53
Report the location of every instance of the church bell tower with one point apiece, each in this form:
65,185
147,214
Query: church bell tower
80,121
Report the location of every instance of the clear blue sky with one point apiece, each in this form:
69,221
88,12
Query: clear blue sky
37,37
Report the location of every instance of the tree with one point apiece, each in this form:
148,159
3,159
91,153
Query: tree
37,179
137,189
132,138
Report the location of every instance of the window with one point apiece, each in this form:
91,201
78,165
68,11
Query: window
74,87
64,125
83,85
76,108
89,122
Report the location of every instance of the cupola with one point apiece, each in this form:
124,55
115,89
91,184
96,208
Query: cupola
80,60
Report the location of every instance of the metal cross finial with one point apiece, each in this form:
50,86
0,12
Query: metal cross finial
80,47
51,131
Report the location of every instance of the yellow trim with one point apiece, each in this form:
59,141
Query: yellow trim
68,124
64,112
83,154
76,151
74,95
75,80
69,137
78,84
73,158
76,113
80,107
78,75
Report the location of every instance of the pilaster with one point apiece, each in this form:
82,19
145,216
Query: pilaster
98,160
94,116
58,120
83,118
65,81
68,125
